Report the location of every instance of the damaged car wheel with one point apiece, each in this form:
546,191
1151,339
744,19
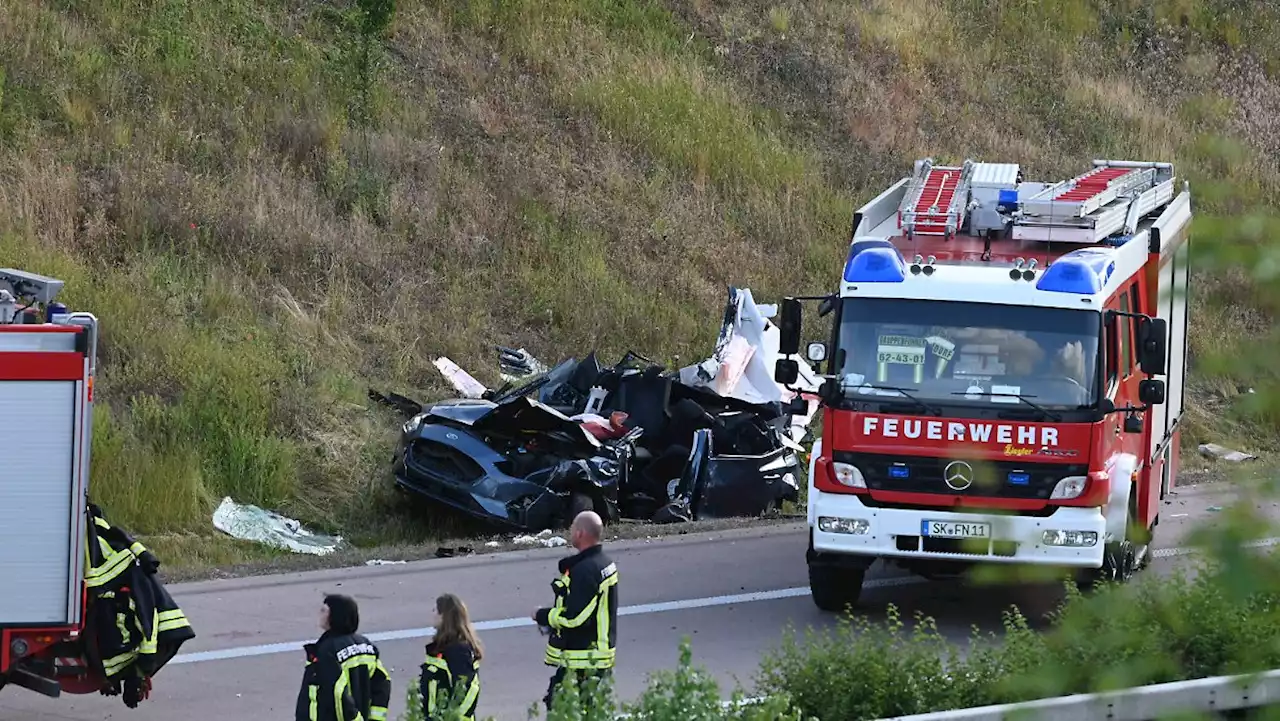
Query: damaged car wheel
578,503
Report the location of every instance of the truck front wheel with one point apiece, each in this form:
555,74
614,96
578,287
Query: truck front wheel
834,587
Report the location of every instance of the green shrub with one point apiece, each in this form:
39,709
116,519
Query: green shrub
685,693
1157,630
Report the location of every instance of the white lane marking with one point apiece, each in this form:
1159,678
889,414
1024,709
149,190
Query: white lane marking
641,609
646,608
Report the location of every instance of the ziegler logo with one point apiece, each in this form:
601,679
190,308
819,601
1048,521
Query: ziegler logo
955,431
1012,450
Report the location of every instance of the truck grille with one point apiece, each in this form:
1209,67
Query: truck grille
1006,479
956,546
443,462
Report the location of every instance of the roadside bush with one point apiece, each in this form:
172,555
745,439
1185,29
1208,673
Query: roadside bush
685,693
1157,630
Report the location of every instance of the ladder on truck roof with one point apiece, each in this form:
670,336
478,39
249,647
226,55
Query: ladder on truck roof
1096,205
936,200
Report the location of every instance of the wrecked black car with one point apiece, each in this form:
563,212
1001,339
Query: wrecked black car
653,449
520,464
632,440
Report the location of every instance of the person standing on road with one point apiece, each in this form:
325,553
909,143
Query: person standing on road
344,678
452,667
583,620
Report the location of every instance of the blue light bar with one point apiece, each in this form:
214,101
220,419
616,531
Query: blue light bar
1083,271
1019,478
896,471
874,261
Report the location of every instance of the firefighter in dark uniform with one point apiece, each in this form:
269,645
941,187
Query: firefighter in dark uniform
344,679
451,672
583,620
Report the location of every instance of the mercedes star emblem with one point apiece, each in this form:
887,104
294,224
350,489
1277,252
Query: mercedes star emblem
958,475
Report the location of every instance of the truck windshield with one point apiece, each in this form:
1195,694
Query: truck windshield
961,352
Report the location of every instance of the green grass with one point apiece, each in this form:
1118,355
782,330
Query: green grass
559,174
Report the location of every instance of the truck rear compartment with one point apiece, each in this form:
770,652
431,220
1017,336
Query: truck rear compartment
38,513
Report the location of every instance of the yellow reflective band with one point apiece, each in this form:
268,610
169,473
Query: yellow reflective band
109,569
377,713
315,704
473,692
557,620
116,664
602,622
432,692
438,664
340,690
172,621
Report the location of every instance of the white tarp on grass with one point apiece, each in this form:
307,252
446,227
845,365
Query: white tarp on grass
251,523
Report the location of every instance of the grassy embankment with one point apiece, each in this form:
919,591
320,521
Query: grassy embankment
559,174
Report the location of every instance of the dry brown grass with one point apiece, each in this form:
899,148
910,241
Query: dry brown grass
558,174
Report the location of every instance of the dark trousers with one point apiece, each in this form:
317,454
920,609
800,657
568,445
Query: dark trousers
582,676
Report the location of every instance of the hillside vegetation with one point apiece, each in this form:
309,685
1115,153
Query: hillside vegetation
559,174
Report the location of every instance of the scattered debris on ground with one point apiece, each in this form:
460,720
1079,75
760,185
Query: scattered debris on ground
543,537
251,523
634,440
1213,450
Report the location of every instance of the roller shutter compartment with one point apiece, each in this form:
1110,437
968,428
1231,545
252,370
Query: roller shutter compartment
37,447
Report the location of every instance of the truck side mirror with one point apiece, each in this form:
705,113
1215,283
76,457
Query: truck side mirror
1151,392
789,328
1153,345
816,352
786,371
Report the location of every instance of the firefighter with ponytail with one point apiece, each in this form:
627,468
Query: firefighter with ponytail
451,672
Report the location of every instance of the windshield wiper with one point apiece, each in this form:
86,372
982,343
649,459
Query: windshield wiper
932,409
1045,411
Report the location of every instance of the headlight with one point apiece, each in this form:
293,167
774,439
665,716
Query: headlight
848,475
850,526
1069,538
412,424
1068,488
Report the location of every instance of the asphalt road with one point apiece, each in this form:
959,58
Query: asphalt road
731,592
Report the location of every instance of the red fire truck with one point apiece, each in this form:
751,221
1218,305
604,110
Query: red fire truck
84,612
992,389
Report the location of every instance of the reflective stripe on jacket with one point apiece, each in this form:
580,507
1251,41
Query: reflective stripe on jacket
583,620
133,626
344,680
445,673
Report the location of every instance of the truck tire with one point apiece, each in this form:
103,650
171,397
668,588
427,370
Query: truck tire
835,588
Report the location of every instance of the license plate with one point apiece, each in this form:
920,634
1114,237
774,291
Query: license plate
952,529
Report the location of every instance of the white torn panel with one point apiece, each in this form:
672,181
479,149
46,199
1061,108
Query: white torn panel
461,380
734,371
251,523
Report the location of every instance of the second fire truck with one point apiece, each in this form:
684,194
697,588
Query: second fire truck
1005,374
